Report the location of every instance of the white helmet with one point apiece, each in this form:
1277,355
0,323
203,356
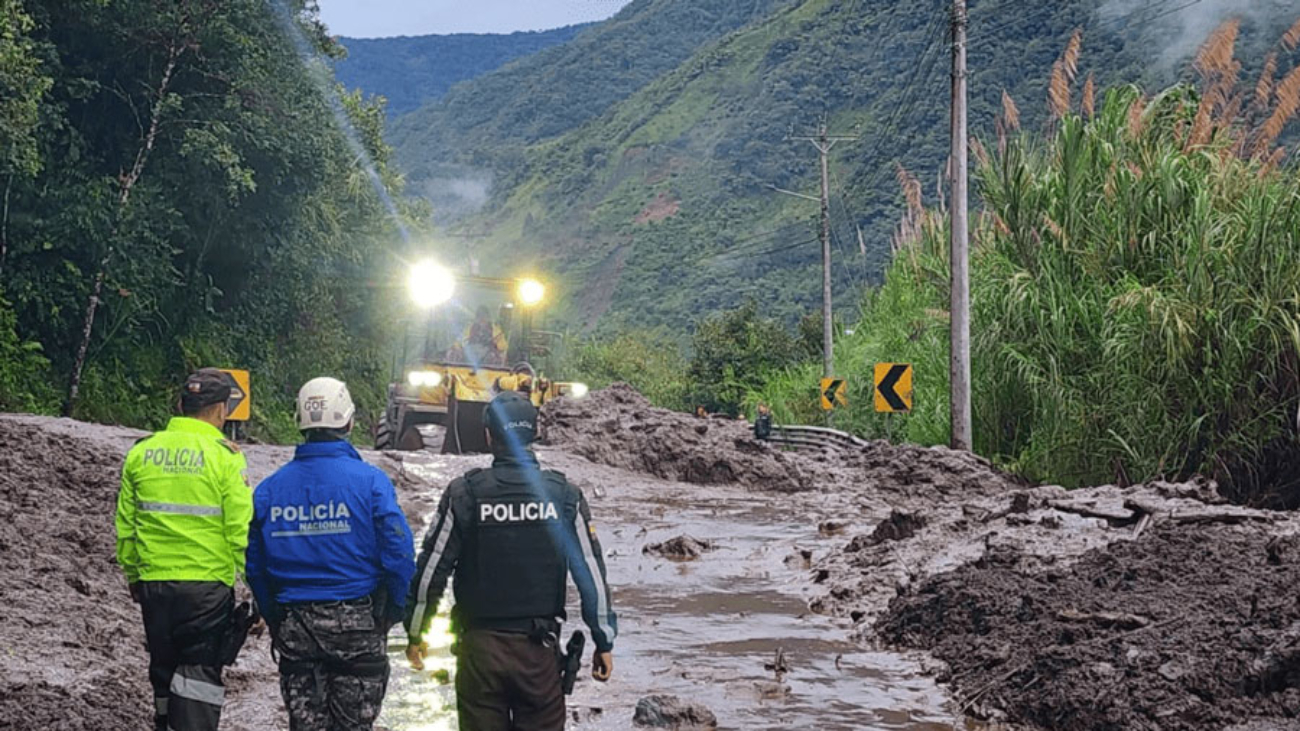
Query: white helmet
324,403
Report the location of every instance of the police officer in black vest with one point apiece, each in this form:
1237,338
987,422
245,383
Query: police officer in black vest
511,534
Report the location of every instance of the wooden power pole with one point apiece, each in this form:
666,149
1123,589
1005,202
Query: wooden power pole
824,141
959,258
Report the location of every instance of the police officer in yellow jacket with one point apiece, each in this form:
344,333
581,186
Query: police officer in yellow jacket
182,529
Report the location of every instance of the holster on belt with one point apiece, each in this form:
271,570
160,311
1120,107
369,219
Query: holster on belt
386,612
545,632
571,661
241,620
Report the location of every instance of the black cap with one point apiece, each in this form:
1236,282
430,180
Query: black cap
205,387
512,419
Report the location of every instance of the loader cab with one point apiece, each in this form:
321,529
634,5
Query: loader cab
465,349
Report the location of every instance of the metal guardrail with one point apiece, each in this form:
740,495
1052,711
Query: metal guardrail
814,437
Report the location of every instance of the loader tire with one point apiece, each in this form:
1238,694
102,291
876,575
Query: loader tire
383,434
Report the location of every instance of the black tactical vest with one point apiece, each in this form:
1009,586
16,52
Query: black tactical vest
513,564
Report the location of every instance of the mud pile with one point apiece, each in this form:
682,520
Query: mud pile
73,644
72,640
1189,627
913,470
618,427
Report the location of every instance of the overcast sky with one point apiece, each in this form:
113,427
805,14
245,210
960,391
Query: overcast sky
382,18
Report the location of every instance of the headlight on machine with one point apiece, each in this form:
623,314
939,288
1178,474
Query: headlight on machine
577,390
424,379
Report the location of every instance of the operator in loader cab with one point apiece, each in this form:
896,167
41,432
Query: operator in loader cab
182,528
485,341
330,557
511,535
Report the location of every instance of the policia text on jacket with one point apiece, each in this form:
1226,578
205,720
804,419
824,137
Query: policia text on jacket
329,558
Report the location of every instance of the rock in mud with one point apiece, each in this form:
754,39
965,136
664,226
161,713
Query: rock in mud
681,548
618,427
828,528
898,526
801,557
1190,627
671,712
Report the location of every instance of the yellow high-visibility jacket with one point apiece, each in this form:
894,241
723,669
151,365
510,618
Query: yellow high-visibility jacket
184,507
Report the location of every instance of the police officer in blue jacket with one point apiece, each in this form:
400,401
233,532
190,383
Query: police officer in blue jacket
330,557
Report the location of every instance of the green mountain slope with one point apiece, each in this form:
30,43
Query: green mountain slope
478,131
660,209
410,71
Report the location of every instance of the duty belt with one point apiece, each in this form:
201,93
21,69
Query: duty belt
364,601
514,624
543,630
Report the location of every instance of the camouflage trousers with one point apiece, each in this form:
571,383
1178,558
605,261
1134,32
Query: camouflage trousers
333,666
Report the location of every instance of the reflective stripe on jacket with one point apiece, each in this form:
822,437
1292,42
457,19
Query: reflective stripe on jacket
509,536
184,507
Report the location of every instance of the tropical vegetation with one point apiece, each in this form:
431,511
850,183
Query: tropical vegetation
183,185
1135,284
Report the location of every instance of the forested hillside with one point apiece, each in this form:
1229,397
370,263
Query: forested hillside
661,208
1135,290
452,150
178,192
410,71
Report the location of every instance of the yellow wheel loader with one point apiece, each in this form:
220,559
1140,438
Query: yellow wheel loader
468,358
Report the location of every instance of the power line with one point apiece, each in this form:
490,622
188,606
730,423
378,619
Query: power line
768,252
732,254
922,68
908,98
763,237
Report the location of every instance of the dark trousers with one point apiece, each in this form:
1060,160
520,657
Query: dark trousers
184,625
506,681
333,665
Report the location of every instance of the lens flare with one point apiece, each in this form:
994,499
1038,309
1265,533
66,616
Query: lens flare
431,284
531,292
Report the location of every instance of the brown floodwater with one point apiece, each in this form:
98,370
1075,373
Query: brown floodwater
702,630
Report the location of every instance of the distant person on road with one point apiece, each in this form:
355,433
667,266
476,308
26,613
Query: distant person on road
511,534
485,341
330,556
763,422
182,528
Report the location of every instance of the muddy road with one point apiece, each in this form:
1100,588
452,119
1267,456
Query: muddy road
705,630
892,587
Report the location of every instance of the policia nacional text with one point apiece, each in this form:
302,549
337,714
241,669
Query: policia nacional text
329,558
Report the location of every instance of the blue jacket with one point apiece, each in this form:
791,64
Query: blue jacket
327,527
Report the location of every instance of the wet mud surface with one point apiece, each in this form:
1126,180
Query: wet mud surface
1189,627
830,583
703,630
67,626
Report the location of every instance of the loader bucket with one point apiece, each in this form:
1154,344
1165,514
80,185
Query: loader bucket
465,427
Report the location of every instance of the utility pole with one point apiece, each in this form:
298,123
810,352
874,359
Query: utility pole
824,141
959,256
